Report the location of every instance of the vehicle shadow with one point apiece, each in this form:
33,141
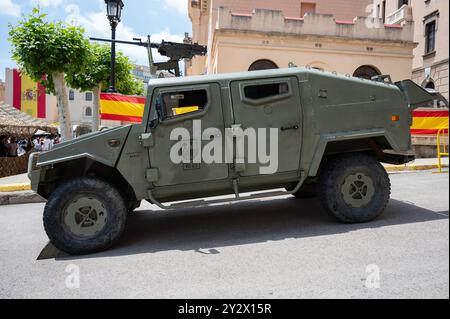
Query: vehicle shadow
205,229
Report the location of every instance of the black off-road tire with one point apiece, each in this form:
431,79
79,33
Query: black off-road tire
333,182
114,223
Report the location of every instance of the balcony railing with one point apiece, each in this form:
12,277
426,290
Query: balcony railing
402,14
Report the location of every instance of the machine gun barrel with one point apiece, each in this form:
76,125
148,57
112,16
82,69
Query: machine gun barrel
138,43
173,50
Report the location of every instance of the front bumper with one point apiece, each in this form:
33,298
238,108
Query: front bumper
34,172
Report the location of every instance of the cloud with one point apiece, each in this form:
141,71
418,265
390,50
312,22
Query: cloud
181,6
8,7
96,25
46,3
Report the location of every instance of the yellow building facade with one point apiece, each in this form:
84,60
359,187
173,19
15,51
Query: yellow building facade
338,35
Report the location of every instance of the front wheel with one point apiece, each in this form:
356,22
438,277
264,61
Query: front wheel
355,188
84,215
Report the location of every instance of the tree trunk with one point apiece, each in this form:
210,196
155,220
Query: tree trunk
96,108
63,106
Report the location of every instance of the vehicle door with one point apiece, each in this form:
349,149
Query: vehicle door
271,103
179,107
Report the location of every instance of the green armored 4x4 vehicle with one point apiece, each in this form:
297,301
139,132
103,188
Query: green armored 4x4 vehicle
246,135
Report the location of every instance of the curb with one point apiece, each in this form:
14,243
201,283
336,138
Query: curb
15,187
401,168
20,197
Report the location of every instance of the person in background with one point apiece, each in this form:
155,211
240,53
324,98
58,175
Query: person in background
12,147
37,145
57,140
47,144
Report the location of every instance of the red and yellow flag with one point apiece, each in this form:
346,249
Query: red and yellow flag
119,107
428,122
28,96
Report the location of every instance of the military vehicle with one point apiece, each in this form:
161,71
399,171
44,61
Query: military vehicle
333,133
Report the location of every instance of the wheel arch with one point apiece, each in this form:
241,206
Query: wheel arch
55,175
374,143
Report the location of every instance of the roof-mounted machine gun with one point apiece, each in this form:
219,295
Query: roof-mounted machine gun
173,50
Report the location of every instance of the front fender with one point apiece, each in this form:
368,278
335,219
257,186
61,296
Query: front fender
95,146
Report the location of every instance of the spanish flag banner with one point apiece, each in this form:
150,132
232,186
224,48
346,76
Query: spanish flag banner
28,96
123,108
429,122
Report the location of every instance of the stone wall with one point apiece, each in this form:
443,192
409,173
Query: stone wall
273,21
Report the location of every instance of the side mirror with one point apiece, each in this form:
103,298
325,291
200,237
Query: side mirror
153,123
158,116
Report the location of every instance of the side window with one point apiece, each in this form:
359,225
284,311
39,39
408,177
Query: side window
264,91
173,104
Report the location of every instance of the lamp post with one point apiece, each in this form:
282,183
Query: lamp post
114,12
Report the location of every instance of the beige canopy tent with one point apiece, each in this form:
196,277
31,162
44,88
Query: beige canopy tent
19,125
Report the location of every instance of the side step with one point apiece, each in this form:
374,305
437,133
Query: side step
236,198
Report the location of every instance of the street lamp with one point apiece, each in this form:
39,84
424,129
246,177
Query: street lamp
114,12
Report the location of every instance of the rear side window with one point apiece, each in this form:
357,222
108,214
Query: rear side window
174,104
264,91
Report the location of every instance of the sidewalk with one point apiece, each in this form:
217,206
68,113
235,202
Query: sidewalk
420,164
16,189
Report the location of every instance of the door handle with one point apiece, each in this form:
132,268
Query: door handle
293,127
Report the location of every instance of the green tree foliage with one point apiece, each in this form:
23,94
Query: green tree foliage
96,77
47,51
97,72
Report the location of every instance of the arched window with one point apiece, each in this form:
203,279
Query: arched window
88,111
366,72
262,65
430,85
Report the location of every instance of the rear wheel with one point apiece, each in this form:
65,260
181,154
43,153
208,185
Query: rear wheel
355,188
84,215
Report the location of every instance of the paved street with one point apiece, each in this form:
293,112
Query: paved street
279,248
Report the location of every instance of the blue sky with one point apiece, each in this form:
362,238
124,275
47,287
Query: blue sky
163,19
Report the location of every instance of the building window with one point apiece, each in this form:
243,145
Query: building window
180,103
307,8
263,91
430,85
71,95
430,37
366,72
88,96
401,3
383,13
262,65
88,111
